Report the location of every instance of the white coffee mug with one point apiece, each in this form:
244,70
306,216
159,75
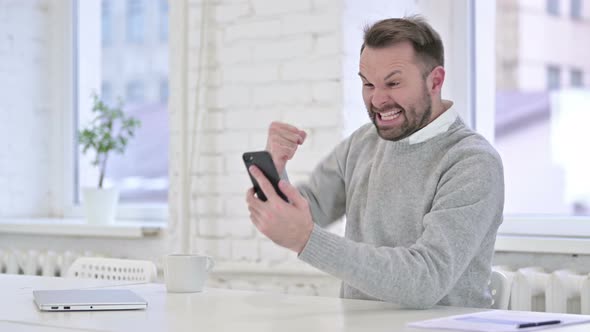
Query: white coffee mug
186,273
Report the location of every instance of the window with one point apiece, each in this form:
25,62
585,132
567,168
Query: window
106,93
121,71
552,7
540,124
577,78
106,23
553,77
135,92
576,9
135,21
164,91
164,20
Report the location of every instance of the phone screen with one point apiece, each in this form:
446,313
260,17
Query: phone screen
263,160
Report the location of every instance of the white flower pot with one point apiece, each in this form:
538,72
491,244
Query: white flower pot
100,205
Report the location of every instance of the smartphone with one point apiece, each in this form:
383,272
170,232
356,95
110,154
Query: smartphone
263,161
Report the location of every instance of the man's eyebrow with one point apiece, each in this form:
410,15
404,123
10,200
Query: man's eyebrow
395,72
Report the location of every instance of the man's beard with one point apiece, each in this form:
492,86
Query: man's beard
406,128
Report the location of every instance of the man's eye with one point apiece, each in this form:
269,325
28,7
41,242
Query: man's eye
368,85
392,84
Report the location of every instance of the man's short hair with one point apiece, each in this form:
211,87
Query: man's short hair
425,40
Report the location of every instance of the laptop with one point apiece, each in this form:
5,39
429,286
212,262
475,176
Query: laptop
88,299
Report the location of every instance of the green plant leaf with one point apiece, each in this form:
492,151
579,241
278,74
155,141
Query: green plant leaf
100,137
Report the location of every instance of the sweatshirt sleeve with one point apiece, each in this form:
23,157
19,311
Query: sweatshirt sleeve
325,190
466,211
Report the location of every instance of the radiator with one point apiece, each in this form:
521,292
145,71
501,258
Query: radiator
560,291
33,262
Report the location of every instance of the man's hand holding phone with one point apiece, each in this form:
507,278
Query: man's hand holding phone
287,224
265,164
277,209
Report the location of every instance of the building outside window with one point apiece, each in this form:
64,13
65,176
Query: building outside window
164,91
125,70
576,9
540,123
106,93
576,78
135,17
553,77
135,91
163,15
552,7
106,22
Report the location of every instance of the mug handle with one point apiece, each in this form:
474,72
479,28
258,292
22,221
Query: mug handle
210,263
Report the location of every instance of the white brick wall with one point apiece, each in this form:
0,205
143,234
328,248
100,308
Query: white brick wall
24,107
218,248
290,48
264,8
240,30
265,60
271,252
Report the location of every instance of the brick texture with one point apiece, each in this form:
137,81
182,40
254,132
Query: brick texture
24,108
266,60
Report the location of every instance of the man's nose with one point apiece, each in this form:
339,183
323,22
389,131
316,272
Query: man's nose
380,98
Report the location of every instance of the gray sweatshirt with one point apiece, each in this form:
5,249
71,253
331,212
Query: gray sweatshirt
421,219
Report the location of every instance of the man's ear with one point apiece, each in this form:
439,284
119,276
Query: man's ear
435,80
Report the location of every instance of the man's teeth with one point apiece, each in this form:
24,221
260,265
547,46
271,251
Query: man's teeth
390,115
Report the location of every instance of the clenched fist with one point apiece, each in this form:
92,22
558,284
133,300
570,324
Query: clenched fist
283,140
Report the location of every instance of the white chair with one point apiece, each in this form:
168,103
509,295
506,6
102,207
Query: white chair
500,289
113,269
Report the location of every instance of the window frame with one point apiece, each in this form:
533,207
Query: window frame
550,234
576,9
164,24
135,22
552,7
576,78
553,74
65,103
107,4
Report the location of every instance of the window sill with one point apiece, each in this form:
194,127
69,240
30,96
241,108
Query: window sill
285,269
543,244
545,235
79,228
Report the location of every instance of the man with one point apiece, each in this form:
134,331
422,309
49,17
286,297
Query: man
423,194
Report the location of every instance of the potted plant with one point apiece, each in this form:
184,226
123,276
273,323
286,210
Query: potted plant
108,131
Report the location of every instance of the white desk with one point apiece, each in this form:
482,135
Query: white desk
211,310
